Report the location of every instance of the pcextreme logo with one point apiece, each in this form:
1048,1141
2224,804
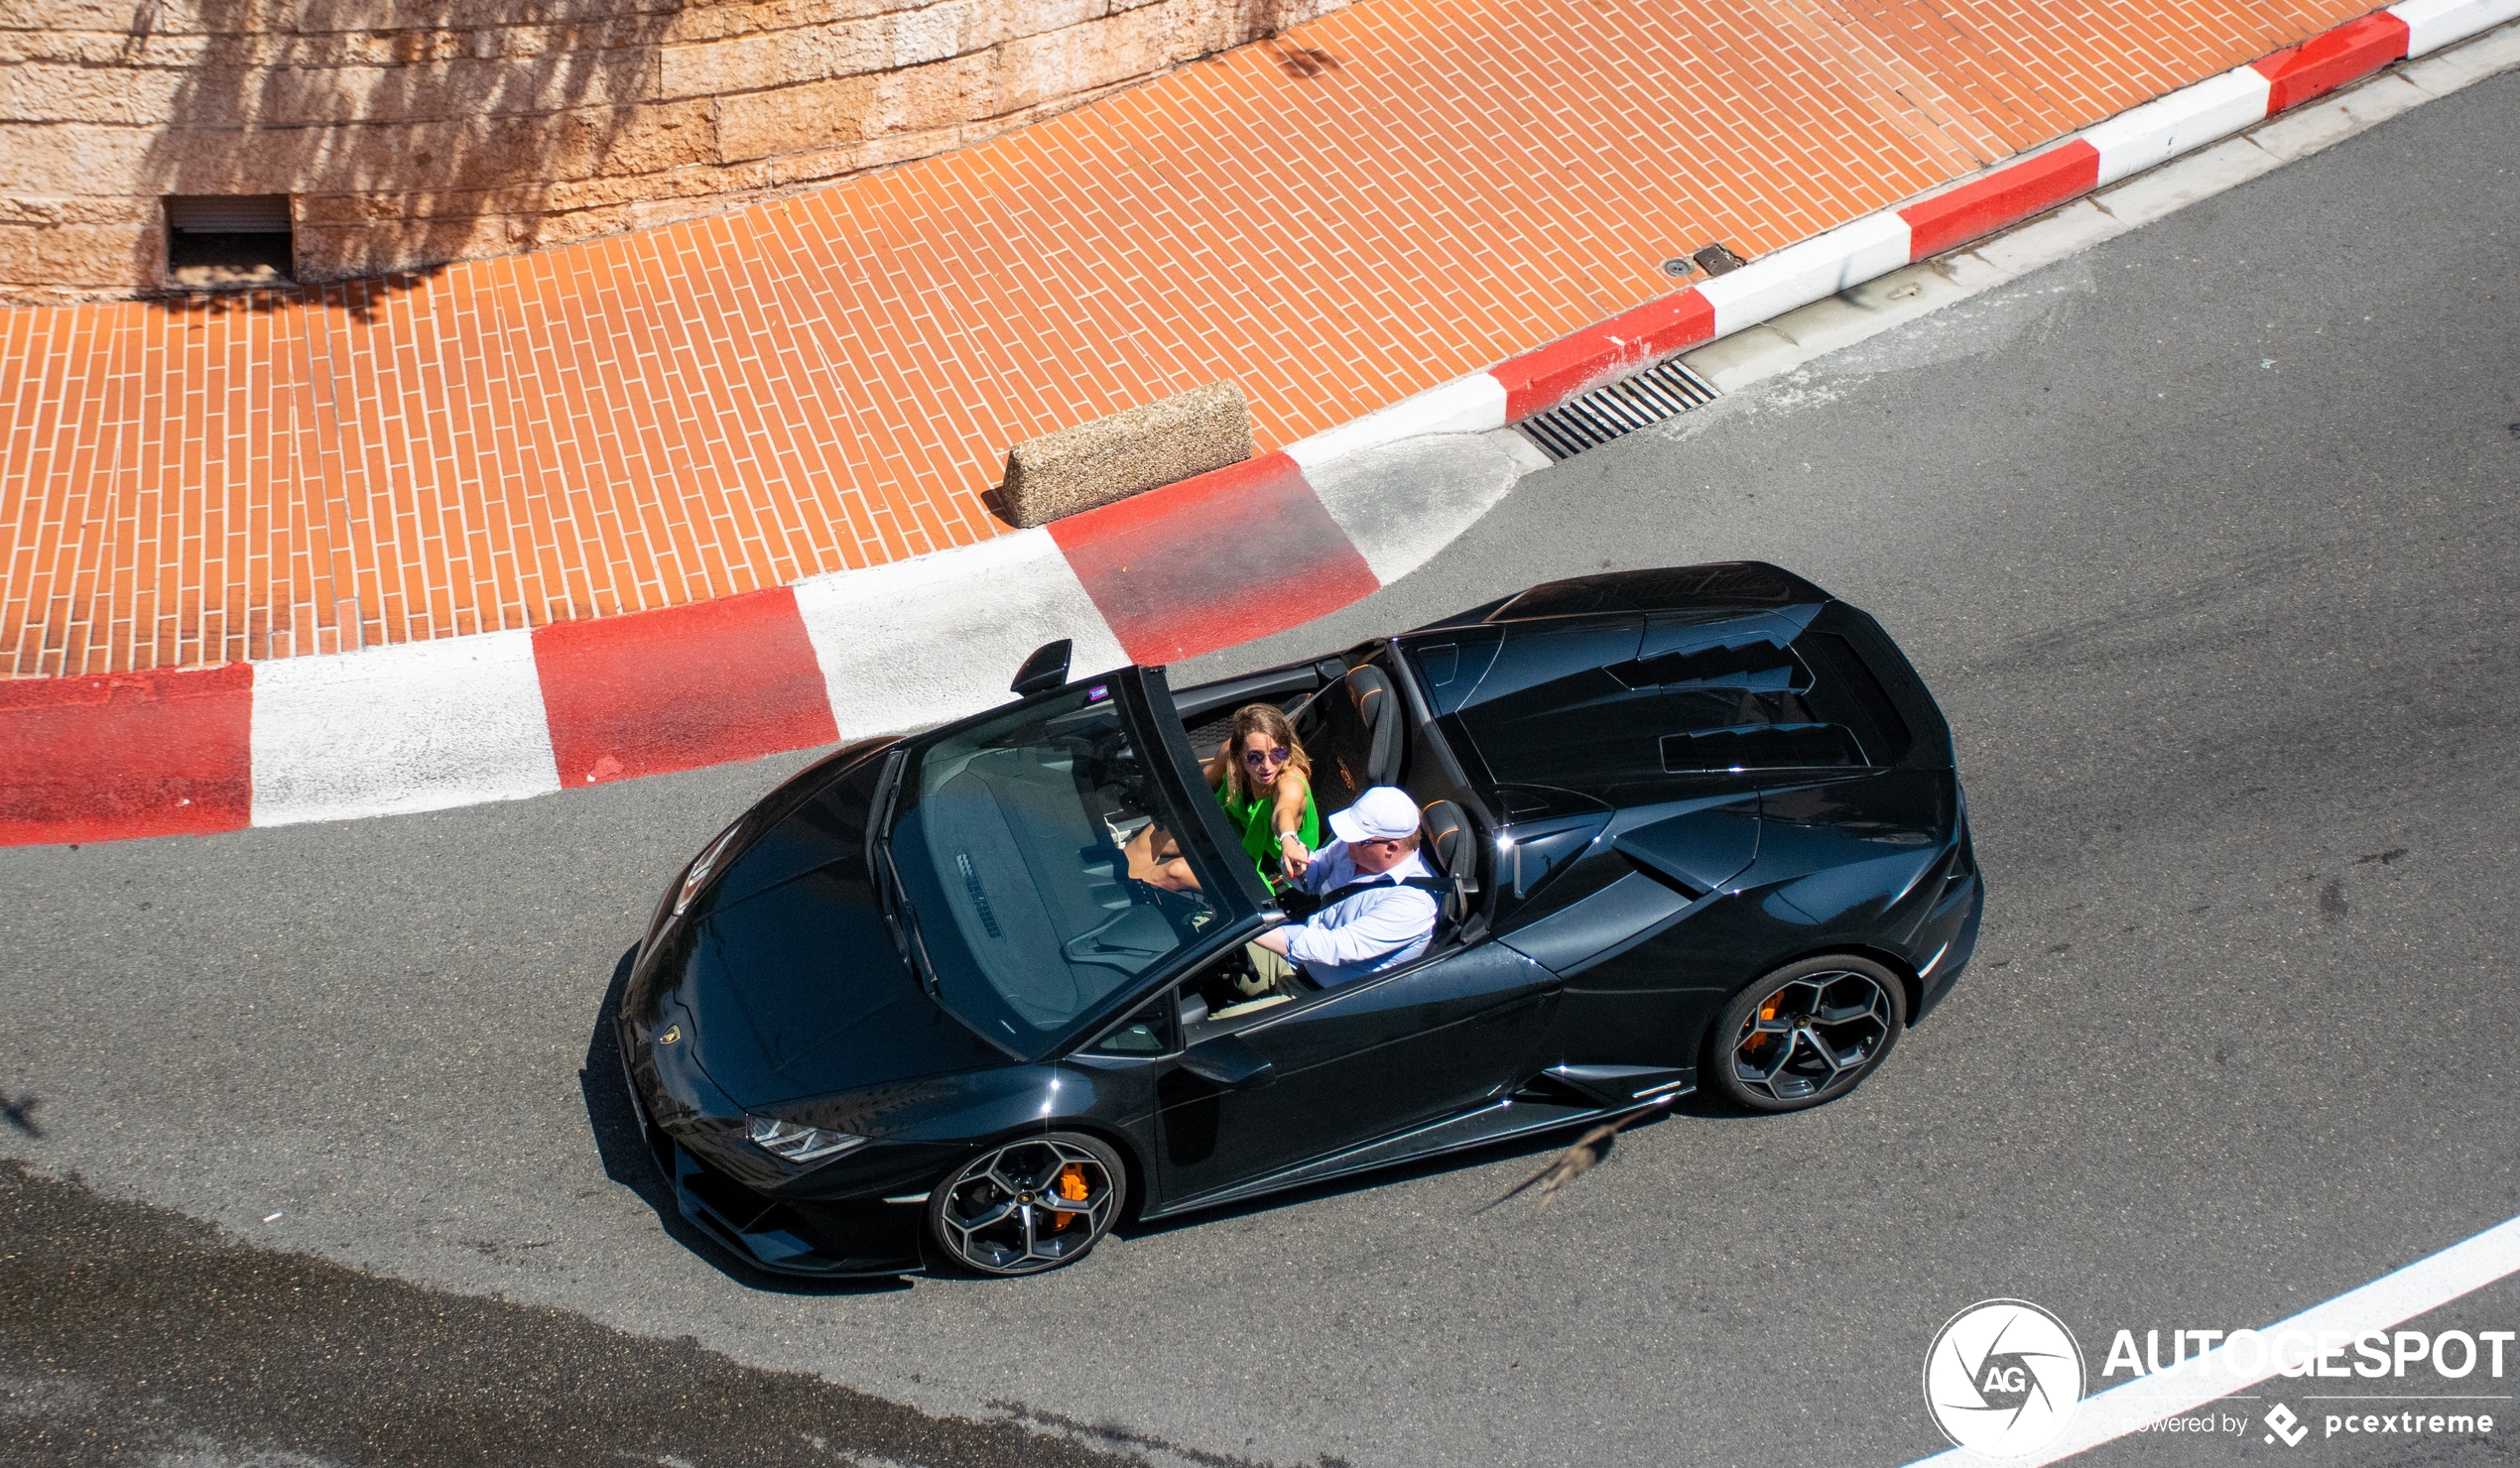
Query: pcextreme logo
2003,1378
2281,1422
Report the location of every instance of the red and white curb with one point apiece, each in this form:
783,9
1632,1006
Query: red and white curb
1871,247
1170,575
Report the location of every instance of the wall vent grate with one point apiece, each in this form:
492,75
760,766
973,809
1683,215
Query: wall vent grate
228,242
1616,410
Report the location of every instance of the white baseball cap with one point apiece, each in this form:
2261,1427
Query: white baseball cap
1383,813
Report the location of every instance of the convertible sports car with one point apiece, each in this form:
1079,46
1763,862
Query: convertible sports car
1694,825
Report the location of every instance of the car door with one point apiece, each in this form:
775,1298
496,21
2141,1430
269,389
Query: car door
1640,974
1360,1063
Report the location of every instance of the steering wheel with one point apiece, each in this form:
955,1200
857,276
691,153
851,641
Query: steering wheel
1106,763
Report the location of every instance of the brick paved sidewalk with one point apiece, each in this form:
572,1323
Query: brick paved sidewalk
1379,203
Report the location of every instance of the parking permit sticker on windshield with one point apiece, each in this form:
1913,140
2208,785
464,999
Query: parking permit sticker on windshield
1097,693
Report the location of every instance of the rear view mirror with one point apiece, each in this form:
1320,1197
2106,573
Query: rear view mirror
1230,1062
1046,669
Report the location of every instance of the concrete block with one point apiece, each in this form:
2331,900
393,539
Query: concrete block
1114,457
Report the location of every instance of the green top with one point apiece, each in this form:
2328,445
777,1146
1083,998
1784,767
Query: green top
1256,820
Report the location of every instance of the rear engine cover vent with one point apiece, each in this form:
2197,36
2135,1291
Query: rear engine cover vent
1616,410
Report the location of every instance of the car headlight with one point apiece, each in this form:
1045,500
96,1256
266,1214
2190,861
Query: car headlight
697,875
791,1143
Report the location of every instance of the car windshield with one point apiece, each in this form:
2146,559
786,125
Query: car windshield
1008,844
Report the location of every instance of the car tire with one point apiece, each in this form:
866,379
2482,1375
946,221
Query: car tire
994,1214
1806,1033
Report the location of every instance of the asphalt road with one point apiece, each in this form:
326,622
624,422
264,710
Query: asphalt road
2206,541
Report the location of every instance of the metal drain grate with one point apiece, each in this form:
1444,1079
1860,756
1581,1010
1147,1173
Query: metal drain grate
1616,410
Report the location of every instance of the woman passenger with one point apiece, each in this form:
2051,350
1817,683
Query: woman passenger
1264,780
1261,778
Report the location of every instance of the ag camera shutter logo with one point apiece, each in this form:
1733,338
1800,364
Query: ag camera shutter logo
2003,1378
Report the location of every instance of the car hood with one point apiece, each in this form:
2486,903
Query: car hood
790,982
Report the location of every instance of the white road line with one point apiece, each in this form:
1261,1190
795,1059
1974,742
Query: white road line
2422,1287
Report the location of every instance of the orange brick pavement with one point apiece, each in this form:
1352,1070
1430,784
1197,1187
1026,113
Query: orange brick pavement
1379,202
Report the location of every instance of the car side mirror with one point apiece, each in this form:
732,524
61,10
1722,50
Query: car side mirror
1230,1062
1046,669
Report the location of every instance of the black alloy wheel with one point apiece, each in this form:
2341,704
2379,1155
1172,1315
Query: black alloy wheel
1806,1032
1029,1205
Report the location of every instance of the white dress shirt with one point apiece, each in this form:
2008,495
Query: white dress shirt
1367,932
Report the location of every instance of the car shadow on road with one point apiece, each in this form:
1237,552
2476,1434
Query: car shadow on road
1538,1146
623,1146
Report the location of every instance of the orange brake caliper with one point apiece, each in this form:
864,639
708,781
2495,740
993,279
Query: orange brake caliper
1759,1042
1071,1186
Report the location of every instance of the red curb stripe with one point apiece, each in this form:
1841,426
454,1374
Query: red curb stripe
707,683
2002,199
1213,562
2332,59
1538,381
126,754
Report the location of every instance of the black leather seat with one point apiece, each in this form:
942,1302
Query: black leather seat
1352,731
1449,846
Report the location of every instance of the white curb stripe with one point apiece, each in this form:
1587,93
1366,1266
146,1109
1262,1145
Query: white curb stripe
1465,405
2189,117
418,726
2420,1288
917,642
1401,506
1799,274
2433,24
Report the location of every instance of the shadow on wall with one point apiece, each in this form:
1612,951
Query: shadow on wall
448,136
460,129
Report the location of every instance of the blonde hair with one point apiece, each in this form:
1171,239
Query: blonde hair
1269,720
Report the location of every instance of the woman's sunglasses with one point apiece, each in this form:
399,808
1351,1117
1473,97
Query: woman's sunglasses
1259,757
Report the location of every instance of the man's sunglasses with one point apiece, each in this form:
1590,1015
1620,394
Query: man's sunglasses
1265,756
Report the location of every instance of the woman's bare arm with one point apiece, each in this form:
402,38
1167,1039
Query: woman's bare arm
1288,817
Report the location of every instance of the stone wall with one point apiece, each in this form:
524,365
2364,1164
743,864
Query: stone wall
414,132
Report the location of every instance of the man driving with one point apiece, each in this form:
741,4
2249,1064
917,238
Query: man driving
1369,920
